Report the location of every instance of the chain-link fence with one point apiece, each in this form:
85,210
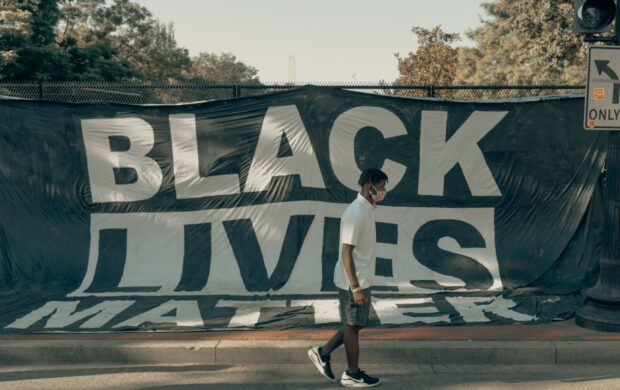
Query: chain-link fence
181,93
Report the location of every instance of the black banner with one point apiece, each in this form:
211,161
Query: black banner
226,214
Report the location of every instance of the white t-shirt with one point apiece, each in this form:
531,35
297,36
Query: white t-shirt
357,228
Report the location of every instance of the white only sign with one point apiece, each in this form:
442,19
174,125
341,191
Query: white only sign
602,105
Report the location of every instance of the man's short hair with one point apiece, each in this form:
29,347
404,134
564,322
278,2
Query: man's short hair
372,176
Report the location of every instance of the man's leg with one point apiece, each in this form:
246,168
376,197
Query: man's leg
357,316
352,347
333,343
321,357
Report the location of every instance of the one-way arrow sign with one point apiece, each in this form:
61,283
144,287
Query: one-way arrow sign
602,105
603,66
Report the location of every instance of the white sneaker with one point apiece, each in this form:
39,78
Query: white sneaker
361,379
324,366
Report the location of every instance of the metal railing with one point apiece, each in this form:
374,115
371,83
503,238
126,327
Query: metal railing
180,93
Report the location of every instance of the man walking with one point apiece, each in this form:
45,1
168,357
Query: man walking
353,277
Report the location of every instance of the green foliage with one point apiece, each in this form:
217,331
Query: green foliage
27,34
524,42
99,40
222,68
433,63
126,33
30,49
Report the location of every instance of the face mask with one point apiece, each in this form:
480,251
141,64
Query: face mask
376,195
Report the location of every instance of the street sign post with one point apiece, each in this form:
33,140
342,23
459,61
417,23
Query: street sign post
601,310
602,106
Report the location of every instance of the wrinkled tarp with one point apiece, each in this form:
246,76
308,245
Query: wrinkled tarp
226,214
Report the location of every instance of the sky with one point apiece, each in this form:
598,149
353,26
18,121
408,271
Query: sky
331,40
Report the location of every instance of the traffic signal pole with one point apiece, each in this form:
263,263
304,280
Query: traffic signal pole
601,310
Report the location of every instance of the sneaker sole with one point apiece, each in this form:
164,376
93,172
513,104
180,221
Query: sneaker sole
356,384
318,365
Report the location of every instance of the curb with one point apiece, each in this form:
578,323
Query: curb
51,352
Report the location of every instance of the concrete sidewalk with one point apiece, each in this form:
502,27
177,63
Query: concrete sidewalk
555,343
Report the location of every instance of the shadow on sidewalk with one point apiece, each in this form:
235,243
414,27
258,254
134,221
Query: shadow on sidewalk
470,378
61,372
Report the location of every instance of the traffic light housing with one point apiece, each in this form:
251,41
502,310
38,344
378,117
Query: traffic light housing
595,16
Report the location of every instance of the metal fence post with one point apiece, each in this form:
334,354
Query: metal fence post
40,90
236,91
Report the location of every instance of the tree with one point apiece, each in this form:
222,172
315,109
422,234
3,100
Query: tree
31,50
102,40
130,32
222,68
28,45
14,30
141,40
161,60
89,40
77,19
524,42
149,46
433,63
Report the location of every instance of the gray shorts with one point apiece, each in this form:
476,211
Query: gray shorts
350,312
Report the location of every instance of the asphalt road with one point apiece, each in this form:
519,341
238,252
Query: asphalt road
298,376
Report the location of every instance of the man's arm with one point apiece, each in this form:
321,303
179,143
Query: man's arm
349,268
